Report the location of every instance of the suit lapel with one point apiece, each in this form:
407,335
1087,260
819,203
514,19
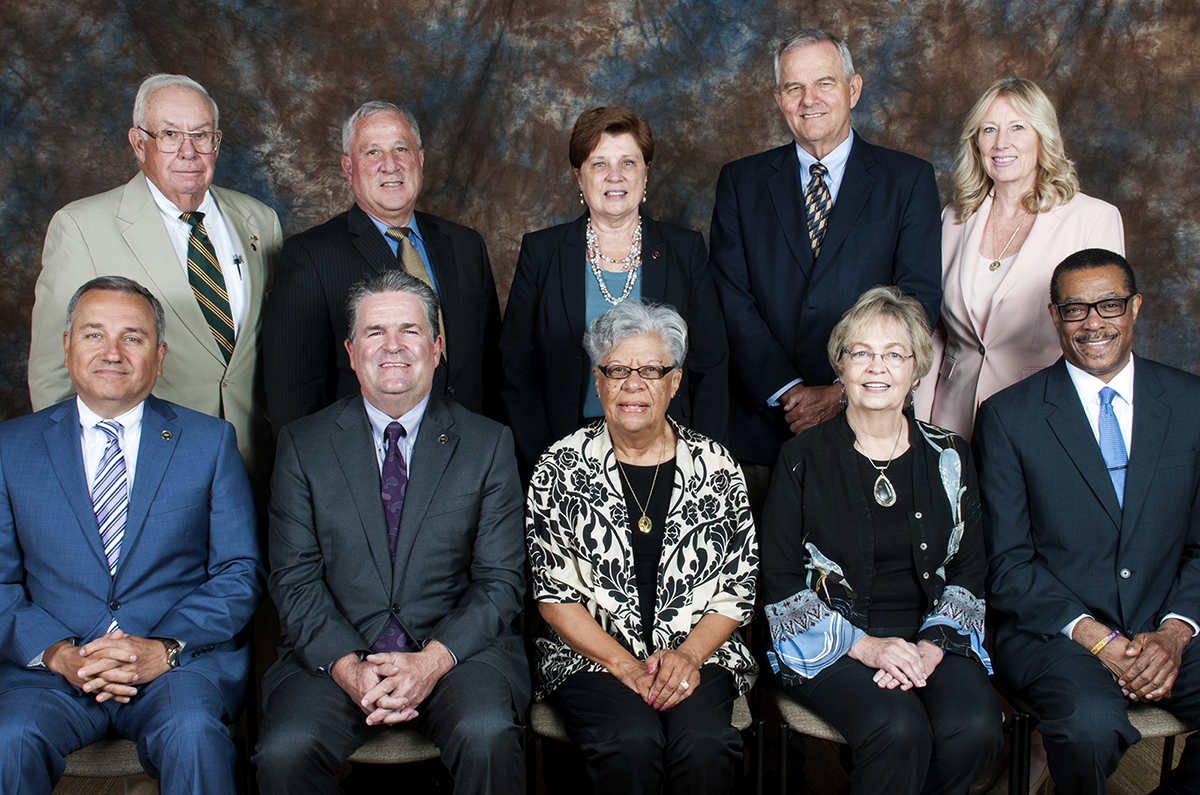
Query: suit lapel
160,436
1041,234
445,269
857,183
243,226
355,451
369,242
574,270
654,261
66,455
1070,425
146,235
1151,418
431,455
967,257
784,186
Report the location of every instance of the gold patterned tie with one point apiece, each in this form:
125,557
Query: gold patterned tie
208,284
817,204
412,264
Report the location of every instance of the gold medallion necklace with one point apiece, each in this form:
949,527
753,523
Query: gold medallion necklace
644,524
995,266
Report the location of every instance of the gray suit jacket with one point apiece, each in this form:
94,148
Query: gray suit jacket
121,233
460,558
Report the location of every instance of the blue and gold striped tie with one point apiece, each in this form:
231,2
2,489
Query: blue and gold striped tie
208,284
817,204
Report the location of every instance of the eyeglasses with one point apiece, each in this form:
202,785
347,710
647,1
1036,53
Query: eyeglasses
1077,312
169,142
889,359
619,372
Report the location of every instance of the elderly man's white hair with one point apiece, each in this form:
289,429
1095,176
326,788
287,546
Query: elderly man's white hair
154,83
370,109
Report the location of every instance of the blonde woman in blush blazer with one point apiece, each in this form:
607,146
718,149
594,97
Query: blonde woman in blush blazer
1017,213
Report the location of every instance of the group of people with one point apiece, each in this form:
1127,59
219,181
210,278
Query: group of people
821,368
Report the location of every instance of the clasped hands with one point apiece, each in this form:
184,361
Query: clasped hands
805,406
111,666
899,663
1146,666
663,680
389,687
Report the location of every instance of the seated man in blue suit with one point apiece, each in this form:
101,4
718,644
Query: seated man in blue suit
129,563
799,232
1090,474
397,557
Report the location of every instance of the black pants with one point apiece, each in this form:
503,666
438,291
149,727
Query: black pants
1086,730
928,740
632,749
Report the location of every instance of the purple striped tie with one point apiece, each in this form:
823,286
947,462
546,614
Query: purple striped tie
110,498
393,486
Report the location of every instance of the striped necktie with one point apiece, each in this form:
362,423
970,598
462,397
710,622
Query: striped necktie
412,264
110,494
208,284
817,204
1112,443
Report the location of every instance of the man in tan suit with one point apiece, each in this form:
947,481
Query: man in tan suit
208,253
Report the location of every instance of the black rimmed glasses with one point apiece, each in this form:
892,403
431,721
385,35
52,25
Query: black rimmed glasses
890,358
1075,312
168,142
648,372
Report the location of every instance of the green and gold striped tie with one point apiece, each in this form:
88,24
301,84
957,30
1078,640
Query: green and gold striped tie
204,274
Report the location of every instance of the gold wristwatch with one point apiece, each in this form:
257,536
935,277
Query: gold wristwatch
172,647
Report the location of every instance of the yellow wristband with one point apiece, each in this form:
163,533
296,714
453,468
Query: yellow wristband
1107,639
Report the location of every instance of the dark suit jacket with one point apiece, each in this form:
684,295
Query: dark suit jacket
780,306
190,566
546,369
304,359
1058,543
460,557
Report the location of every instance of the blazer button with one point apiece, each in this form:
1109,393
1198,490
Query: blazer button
918,515
924,547
981,350
925,576
395,608
450,389
114,605
1126,574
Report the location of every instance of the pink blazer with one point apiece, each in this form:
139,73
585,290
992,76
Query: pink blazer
973,358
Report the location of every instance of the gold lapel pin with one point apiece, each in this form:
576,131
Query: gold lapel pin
166,435
254,242
443,439
654,255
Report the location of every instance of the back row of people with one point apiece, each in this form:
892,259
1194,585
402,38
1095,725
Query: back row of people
869,209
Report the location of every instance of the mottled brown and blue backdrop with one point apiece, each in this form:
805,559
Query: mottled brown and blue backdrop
497,84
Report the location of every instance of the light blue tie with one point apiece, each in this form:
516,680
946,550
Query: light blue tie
1112,443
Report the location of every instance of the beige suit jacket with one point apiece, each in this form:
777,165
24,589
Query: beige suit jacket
121,233
987,342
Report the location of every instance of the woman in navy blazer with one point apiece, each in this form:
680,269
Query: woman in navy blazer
569,274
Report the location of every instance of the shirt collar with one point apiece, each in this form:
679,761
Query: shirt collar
1088,386
411,420
89,418
168,208
412,224
835,161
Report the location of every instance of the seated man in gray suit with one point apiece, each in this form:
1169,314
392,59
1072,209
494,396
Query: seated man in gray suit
1090,476
396,547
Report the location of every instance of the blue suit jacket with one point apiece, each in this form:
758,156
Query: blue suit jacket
190,566
1058,544
780,305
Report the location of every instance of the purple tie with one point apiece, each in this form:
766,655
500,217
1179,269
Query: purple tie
394,484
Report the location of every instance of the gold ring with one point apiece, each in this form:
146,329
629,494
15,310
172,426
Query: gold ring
683,684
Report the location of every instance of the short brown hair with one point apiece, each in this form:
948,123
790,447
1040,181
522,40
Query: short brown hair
611,119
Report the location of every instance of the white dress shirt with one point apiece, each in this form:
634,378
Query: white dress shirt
95,441
229,253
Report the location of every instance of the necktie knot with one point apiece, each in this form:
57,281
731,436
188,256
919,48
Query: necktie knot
1106,396
398,232
193,219
394,432
818,170
111,429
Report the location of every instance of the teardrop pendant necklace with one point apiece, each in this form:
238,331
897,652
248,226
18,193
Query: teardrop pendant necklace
885,492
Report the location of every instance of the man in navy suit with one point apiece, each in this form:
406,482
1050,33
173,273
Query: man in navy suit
800,232
128,563
1090,478
305,366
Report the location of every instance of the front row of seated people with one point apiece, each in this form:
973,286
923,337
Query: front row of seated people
130,568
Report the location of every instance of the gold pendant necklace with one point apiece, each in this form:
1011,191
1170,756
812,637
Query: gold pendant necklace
644,524
995,266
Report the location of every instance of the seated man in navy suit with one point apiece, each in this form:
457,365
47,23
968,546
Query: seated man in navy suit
129,563
1090,477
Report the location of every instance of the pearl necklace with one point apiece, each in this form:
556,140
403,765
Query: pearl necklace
630,264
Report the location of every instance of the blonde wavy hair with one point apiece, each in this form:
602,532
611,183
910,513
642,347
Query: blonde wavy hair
1056,182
